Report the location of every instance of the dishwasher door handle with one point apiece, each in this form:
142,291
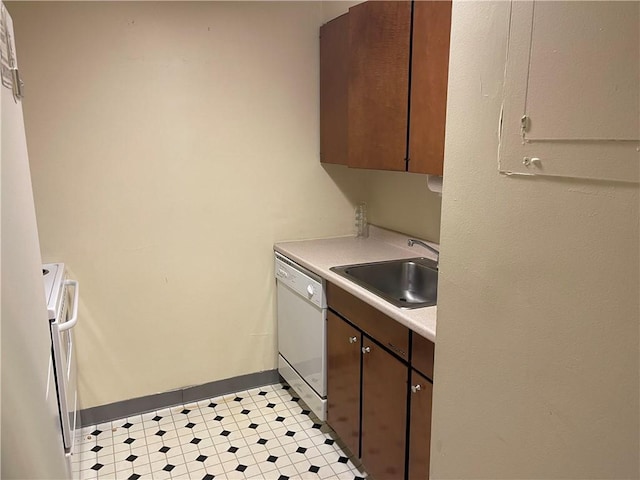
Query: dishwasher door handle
74,314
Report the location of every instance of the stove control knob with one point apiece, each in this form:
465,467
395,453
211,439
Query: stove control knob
310,290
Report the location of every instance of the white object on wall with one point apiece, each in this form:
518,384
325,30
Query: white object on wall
434,183
571,103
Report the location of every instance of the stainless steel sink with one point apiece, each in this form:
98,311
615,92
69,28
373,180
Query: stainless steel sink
406,283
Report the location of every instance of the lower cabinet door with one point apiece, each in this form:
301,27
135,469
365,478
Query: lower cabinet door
420,427
343,381
384,412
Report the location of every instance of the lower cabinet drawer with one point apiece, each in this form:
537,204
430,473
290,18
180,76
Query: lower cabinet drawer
422,354
385,330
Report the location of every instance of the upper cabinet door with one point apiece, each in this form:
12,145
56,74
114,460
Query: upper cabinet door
572,90
429,78
379,41
334,71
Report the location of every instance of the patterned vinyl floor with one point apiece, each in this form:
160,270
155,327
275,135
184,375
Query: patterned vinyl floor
264,433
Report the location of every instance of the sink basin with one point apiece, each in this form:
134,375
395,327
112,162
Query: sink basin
406,283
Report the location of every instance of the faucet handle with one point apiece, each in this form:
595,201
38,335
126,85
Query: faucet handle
412,241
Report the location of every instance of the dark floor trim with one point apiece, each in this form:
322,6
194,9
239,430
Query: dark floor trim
136,406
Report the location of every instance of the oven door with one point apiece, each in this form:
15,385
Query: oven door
64,363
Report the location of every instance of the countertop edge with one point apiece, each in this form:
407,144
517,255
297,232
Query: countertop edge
420,320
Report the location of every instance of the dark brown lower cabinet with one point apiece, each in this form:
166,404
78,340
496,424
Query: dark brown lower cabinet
384,412
369,380
343,381
420,427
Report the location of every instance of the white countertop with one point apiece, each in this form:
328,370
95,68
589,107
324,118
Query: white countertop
322,254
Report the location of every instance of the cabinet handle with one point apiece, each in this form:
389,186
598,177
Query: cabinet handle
353,339
415,388
366,349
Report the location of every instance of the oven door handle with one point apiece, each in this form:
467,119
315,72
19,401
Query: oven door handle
74,315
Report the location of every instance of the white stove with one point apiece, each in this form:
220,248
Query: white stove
62,319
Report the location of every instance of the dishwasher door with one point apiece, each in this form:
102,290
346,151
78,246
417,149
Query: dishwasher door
302,331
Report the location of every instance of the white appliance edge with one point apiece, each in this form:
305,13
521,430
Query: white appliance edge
62,296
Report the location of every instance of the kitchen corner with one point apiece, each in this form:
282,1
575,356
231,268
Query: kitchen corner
319,255
197,173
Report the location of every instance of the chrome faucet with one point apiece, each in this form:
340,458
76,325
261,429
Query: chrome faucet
413,241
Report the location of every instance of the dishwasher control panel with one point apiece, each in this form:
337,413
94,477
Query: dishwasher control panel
300,280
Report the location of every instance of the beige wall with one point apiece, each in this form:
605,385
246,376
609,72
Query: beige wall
171,145
30,420
332,9
538,307
186,135
402,202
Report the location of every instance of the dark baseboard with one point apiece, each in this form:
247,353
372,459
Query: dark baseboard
158,401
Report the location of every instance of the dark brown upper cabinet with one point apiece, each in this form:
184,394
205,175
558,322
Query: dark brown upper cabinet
429,79
379,40
334,70
396,55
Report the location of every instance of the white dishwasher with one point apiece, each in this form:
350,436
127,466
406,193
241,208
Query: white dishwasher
302,326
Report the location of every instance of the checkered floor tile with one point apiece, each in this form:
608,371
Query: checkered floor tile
264,433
